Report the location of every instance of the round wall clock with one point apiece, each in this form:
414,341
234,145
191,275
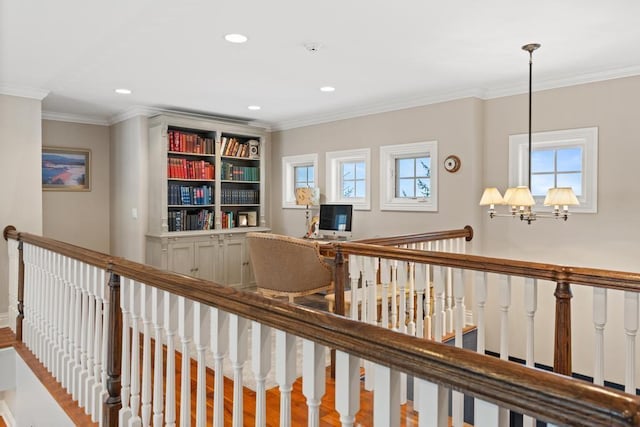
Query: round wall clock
452,163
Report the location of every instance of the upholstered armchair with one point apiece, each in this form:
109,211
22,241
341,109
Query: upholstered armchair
288,266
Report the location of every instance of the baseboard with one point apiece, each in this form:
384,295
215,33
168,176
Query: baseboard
4,320
6,415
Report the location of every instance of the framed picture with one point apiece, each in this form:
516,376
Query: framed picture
66,169
242,220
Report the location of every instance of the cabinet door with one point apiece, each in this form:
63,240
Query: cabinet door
181,258
207,262
235,263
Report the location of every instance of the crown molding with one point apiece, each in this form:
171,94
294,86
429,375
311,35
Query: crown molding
24,92
381,107
134,111
74,118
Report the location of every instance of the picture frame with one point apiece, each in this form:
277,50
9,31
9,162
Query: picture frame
66,169
252,218
243,220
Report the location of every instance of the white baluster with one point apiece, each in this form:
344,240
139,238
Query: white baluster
420,286
134,306
428,327
106,298
457,398
12,248
402,290
486,414
261,364
411,325
599,321
433,404
394,295
449,291
369,311
438,288
201,335
530,306
146,303
91,332
631,329
238,336
354,276
481,300
125,371
170,328
185,332
313,378
157,317
219,347
285,373
57,308
347,387
505,303
69,298
385,276
77,331
386,398
96,392
84,335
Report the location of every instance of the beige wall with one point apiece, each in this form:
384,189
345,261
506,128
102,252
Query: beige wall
82,217
20,171
129,187
455,125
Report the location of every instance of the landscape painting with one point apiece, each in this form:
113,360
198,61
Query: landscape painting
66,169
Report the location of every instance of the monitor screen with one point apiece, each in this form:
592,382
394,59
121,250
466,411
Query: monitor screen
335,220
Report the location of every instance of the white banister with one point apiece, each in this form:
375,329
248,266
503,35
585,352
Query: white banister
447,245
201,336
134,306
433,405
530,306
631,330
261,365
219,347
145,392
97,390
347,387
185,332
125,372
386,397
170,328
385,278
438,290
369,309
157,318
599,322
12,248
394,295
313,378
238,336
505,304
457,398
285,373
486,414
354,277
88,383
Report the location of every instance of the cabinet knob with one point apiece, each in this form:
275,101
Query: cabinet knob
245,263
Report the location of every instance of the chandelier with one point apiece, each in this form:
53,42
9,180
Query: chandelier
520,199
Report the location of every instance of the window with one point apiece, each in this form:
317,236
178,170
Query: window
566,158
348,178
297,171
408,180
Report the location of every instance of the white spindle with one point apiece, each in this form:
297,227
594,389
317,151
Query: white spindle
438,289
106,298
599,321
185,332
69,299
394,295
146,302
77,334
170,328
386,398
91,332
219,347
421,285
530,306
157,317
84,338
481,300
57,308
313,378
433,405
238,342
347,387
631,329
125,371
369,310
12,248
428,327
402,289
261,365
97,345
354,276
449,290
134,307
201,336
486,414
385,277
505,304
457,398
285,373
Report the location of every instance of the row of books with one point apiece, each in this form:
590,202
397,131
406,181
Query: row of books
189,169
184,220
239,173
190,143
190,195
236,148
238,196
229,219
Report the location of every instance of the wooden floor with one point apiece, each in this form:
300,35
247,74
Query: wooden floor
329,417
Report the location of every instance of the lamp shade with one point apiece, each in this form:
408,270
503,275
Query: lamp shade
521,196
508,193
491,196
561,196
307,196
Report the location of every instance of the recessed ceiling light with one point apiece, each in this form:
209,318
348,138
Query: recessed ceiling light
236,38
254,107
327,88
123,91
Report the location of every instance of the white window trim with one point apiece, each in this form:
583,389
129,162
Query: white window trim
333,191
388,156
289,164
587,138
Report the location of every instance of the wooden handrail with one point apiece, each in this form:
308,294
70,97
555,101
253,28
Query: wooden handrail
466,232
544,395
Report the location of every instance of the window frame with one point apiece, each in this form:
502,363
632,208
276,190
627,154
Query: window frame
388,156
585,138
334,177
289,164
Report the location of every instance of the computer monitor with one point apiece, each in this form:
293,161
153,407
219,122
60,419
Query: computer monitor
335,221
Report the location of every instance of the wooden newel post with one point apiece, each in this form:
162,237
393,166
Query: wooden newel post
562,345
113,404
340,277
20,316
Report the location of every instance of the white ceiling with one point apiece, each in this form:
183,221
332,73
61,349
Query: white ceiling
379,55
